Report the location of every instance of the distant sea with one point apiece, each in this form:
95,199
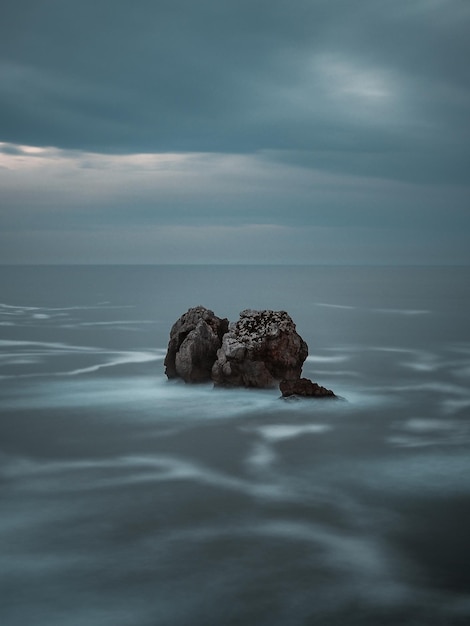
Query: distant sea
129,500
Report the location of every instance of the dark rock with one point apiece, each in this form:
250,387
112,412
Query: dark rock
304,387
259,350
194,340
262,349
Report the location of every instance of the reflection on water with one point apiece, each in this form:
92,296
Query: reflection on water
129,499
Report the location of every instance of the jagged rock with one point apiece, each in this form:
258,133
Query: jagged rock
194,340
259,350
304,387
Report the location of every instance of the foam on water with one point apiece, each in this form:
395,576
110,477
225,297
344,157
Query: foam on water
43,353
148,396
327,359
134,324
280,432
335,306
390,311
124,358
7,343
403,311
423,432
263,454
91,475
21,309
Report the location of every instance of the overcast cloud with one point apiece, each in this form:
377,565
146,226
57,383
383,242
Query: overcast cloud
152,131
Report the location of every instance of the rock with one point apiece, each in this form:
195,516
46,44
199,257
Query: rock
304,387
194,340
262,349
259,350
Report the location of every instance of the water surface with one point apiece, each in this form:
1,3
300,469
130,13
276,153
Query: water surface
131,500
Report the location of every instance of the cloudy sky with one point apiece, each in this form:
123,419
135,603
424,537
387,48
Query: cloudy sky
226,131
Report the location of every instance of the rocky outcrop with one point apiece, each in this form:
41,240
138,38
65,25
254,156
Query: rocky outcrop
262,349
304,387
194,340
259,350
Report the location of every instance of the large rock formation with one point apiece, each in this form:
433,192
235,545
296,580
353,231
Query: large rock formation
259,350
262,349
304,387
194,340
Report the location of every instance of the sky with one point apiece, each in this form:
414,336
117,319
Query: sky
235,131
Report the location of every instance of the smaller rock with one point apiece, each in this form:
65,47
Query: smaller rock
304,387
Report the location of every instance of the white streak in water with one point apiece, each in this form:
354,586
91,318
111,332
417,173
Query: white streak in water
281,432
420,425
134,470
403,311
22,309
348,373
126,358
262,456
424,432
435,387
39,351
111,323
359,556
335,306
328,359
46,344
454,405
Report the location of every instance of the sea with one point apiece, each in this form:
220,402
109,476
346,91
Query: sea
130,500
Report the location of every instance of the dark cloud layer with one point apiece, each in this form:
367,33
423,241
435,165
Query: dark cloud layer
235,131
387,82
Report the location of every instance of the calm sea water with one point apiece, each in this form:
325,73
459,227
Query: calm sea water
128,500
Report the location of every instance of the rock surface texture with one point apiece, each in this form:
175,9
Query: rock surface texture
304,387
262,349
259,350
194,340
